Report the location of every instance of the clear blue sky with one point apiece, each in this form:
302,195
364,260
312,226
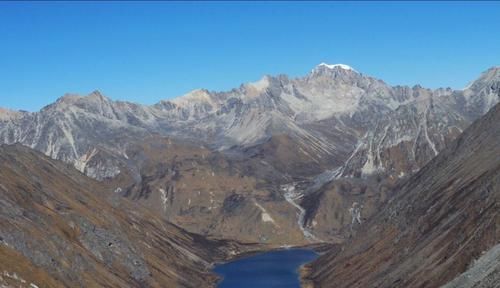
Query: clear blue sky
145,52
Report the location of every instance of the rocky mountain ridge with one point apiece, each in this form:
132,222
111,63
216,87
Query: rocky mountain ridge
254,112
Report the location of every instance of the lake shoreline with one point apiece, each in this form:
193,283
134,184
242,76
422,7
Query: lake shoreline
316,248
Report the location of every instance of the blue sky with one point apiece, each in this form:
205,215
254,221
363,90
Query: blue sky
145,52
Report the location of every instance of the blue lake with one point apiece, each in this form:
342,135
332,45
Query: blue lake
267,270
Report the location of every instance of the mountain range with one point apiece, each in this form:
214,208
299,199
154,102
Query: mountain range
393,179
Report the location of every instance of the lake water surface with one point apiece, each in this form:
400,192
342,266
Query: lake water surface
266,270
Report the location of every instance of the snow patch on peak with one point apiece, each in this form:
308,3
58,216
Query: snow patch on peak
333,66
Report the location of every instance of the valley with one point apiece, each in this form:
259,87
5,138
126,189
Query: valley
97,192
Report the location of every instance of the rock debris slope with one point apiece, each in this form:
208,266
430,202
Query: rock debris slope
434,227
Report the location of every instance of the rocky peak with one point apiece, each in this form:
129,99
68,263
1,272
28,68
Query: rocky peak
73,98
492,72
333,75
484,92
487,78
68,99
256,88
94,103
95,99
335,71
193,105
6,114
97,95
194,97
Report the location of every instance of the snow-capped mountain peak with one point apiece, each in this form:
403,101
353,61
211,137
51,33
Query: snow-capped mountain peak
333,66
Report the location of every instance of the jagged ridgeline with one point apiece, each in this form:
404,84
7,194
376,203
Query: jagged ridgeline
256,163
